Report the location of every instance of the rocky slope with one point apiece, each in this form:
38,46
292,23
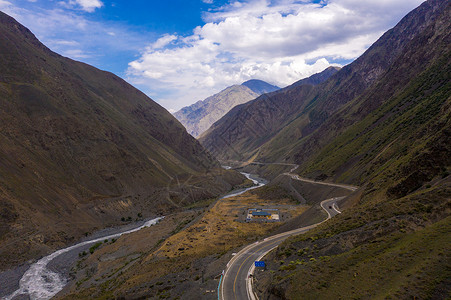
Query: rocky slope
201,115
80,149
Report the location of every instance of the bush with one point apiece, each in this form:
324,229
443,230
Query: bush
94,247
288,267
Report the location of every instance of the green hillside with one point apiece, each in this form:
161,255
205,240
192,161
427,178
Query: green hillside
393,141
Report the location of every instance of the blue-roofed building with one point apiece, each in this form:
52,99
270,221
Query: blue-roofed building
263,214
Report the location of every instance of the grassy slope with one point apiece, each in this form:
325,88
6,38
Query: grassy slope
379,249
382,143
396,266
392,243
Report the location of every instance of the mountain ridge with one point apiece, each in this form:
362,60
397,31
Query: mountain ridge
310,109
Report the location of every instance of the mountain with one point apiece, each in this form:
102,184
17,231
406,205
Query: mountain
201,115
81,149
290,124
382,123
260,87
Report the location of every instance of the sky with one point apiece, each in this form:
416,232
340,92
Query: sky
182,51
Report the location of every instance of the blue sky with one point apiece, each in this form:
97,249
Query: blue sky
181,51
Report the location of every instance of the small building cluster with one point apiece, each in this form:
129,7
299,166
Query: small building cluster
260,214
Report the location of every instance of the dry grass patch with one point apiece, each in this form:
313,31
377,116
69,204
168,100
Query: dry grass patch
222,227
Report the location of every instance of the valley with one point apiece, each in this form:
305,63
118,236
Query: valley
336,186
176,264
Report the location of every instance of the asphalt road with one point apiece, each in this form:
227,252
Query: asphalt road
345,186
236,284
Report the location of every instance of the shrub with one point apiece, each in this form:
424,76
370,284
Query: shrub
94,247
288,267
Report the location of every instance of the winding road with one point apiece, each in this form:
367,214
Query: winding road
236,282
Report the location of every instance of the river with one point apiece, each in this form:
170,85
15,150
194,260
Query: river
258,182
40,282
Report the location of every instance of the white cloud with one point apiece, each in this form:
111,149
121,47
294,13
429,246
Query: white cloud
4,5
279,41
66,43
75,53
85,5
90,5
162,42
70,32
